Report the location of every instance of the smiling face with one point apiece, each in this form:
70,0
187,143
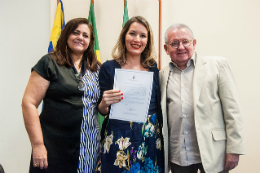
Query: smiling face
136,39
78,41
182,54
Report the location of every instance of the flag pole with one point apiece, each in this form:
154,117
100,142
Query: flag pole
58,2
159,47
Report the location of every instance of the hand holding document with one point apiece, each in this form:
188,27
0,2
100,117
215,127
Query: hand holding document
136,87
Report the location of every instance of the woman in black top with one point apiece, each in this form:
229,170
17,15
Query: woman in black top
65,138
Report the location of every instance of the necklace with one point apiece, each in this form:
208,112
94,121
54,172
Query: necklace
81,70
131,65
139,67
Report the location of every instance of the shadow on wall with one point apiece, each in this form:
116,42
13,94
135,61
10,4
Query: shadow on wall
1,169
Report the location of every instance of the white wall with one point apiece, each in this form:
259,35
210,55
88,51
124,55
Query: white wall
24,35
228,28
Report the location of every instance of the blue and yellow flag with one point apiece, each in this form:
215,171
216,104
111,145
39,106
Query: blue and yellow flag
58,25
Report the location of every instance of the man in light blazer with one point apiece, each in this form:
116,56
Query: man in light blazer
202,122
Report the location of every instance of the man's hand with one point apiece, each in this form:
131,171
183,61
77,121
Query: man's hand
231,161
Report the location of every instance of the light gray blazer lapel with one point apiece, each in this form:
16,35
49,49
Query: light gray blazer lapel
163,84
199,77
164,73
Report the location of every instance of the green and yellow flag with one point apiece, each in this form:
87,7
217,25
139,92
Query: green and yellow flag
92,20
125,17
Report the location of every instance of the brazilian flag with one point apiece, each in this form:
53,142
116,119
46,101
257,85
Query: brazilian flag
92,20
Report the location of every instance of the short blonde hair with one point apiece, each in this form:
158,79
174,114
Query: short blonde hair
148,56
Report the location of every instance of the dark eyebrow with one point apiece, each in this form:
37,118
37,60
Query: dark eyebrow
131,30
79,32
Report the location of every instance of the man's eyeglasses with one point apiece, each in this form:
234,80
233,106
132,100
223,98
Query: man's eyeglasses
176,44
81,83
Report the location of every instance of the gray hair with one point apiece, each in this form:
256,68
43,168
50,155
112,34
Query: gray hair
176,26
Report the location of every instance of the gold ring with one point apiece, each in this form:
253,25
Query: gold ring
35,164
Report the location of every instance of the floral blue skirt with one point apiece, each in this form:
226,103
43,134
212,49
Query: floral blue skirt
130,147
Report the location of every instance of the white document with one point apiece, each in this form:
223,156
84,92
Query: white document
136,87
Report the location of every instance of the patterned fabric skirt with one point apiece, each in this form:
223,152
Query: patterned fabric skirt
130,147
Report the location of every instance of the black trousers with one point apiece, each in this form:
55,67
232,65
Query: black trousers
188,169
